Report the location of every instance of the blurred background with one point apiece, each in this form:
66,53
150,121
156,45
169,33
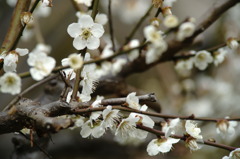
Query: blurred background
211,93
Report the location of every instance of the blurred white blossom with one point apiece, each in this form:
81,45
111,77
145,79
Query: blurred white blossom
10,83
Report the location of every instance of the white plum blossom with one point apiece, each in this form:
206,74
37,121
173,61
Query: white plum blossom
143,120
86,2
170,21
90,78
42,65
86,33
154,53
235,154
75,61
135,53
133,101
163,145
192,143
118,65
70,73
226,128
153,35
219,56
97,103
107,51
184,67
10,83
202,59
172,127
185,30
232,43
110,117
11,59
95,129
193,130
127,127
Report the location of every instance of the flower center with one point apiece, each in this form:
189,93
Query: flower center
86,34
10,80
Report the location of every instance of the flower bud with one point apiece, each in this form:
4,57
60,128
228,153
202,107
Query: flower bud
232,43
26,18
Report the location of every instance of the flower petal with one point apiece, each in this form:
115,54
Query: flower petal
97,30
79,43
93,43
74,30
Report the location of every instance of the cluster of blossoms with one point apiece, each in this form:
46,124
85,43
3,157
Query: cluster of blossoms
124,126
41,66
203,58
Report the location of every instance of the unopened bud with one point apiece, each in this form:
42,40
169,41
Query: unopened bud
166,11
232,43
170,21
155,22
26,18
157,3
223,125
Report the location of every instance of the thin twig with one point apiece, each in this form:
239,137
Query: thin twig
111,25
138,25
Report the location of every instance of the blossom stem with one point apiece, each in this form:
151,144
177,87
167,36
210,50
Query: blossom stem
95,9
111,24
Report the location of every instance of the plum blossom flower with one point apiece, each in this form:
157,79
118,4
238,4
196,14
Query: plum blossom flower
10,83
89,78
153,35
133,101
11,59
185,30
202,59
135,53
183,67
172,127
118,65
235,154
94,129
170,21
219,56
42,65
232,43
127,127
75,61
86,33
225,127
192,143
143,120
163,145
193,130
154,53
110,117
